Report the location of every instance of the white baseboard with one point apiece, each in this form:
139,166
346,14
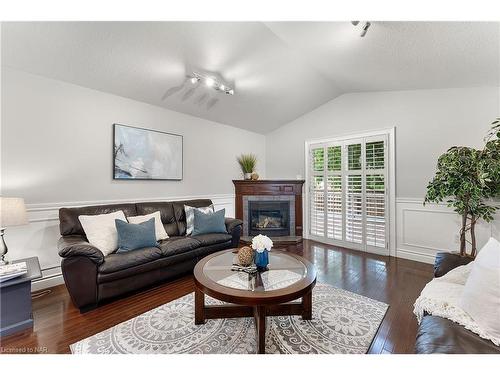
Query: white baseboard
418,257
47,282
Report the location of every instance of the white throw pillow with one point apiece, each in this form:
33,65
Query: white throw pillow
190,216
481,295
101,230
160,232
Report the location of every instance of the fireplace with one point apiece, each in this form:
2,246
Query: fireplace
270,207
269,217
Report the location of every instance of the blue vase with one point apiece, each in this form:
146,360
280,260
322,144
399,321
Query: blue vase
262,260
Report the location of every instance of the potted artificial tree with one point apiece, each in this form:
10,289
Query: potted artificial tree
247,164
468,179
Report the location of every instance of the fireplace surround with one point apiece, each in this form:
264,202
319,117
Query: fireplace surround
270,207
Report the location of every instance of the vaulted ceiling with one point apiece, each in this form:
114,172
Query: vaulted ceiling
279,70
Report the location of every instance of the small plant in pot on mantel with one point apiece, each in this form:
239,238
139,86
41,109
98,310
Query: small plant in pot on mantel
247,164
469,180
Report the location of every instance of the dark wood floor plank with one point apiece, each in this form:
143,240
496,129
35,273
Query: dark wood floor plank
397,282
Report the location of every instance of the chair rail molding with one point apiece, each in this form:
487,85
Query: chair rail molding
39,238
422,231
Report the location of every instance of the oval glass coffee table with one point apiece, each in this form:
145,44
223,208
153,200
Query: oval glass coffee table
269,293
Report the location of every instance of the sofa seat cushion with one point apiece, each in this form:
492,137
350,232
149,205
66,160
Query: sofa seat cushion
119,261
212,238
177,245
440,335
151,270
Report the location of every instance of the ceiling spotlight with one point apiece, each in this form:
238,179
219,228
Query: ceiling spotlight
364,29
209,81
366,26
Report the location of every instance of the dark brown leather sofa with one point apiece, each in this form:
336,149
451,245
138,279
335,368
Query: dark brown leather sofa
439,335
92,277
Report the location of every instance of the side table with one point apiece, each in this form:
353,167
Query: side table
15,299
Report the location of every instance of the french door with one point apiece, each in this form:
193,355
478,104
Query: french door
348,193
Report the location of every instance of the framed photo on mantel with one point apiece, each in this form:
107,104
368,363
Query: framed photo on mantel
145,154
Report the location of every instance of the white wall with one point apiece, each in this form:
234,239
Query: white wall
56,150
427,123
57,144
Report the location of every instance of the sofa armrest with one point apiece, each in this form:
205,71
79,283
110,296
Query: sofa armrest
234,228
445,262
232,223
71,246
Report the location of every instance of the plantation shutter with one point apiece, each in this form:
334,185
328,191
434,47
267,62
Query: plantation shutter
334,222
317,199
348,193
375,192
354,194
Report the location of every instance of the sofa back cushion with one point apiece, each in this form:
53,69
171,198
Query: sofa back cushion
68,217
173,216
180,214
166,212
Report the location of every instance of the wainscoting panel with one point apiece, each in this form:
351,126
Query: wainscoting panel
40,236
422,231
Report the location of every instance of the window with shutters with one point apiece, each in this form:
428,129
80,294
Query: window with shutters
348,192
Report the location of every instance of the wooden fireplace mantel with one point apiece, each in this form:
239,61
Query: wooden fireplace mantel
270,187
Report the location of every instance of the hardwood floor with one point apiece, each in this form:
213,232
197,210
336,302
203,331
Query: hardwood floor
397,282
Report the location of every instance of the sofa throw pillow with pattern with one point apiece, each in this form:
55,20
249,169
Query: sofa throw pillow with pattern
190,216
135,236
209,223
100,230
161,233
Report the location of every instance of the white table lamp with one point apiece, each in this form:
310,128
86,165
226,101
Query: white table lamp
12,213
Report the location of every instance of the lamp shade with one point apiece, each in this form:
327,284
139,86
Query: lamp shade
12,212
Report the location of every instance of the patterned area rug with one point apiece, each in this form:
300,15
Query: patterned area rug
343,322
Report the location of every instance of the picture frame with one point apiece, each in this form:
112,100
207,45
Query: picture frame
146,154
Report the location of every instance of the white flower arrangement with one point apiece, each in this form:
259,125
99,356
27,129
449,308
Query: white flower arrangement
261,243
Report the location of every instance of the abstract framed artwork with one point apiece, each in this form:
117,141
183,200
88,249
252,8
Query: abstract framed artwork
145,154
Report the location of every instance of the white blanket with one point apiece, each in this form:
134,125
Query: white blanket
440,298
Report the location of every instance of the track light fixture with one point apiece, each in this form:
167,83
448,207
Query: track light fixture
364,28
194,78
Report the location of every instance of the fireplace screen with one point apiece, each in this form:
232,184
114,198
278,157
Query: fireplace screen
271,218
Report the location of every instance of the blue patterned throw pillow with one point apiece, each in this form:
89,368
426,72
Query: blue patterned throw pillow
209,222
135,236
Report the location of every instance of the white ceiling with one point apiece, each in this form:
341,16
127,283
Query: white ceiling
279,70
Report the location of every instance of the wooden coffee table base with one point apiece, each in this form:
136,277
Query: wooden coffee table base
259,312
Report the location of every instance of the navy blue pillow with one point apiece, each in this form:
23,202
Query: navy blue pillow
135,236
209,222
